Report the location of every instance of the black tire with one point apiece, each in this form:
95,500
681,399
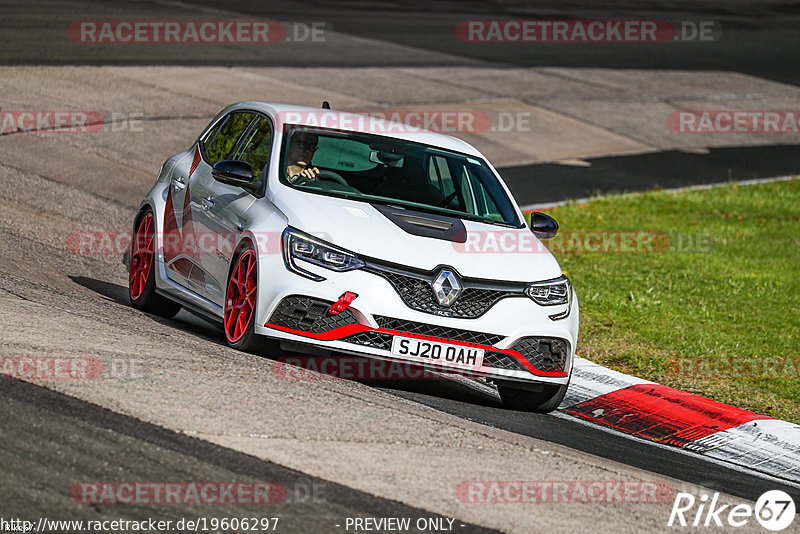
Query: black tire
145,298
544,401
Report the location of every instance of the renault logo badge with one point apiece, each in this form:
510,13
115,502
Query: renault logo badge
446,287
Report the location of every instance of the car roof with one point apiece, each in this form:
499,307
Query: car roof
356,122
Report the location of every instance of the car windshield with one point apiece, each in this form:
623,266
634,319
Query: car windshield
382,169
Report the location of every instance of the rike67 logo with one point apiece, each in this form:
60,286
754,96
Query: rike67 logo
774,510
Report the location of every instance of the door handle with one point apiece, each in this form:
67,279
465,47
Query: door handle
208,203
178,183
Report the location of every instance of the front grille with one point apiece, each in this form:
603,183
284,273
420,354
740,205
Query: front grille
376,340
442,332
309,315
416,292
544,353
498,360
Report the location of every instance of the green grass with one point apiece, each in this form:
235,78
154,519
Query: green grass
713,310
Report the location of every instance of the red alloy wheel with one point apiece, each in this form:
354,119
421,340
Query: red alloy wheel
240,299
141,257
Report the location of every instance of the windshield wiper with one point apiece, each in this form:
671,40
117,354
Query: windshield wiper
499,223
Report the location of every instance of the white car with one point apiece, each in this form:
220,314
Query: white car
360,236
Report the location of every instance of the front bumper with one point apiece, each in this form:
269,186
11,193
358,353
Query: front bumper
520,341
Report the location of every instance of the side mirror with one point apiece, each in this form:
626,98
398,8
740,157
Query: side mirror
234,172
543,226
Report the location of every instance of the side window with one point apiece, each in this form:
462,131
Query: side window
484,205
468,191
227,138
439,175
213,131
256,147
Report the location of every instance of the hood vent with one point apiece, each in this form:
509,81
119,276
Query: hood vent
425,224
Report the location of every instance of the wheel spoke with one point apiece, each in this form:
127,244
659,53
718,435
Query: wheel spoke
233,320
241,296
141,257
242,321
241,275
251,267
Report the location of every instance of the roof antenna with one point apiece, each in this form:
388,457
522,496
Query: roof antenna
326,104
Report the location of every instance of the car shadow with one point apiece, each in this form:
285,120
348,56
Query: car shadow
113,292
445,388
398,378
185,320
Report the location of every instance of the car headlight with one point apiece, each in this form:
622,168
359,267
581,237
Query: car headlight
297,245
552,293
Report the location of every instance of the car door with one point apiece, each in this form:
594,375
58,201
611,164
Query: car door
224,208
180,254
209,242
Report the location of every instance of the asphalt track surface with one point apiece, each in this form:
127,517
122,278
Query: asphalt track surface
757,38
63,428
83,439
670,169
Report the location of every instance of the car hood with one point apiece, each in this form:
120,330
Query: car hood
489,251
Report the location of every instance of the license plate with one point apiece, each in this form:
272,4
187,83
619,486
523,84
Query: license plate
432,352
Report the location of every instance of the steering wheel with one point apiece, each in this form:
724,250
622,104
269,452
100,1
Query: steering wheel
323,175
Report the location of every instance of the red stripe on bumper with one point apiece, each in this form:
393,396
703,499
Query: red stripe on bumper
662,414
350,329
328,335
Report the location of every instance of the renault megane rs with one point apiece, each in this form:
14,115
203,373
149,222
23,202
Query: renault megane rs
361,236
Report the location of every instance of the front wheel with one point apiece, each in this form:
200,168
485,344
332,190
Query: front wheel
543,401
240,303
142,275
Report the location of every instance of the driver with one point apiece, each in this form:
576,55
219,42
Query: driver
301,151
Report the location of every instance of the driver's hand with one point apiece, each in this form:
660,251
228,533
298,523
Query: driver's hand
311,173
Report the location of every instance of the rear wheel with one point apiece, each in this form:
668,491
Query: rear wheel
543,401
240,303
141,278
